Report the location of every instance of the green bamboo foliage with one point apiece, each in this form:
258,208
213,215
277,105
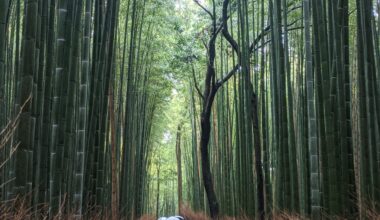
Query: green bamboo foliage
45,173
126,189
5,83
58,80
4,23
38,106
326,165
197,202
179,167
315,192
290,116
284,194
343,127
264,113
24,154
246,147
369,194
52,97
83,101
74,85
140,103
284,118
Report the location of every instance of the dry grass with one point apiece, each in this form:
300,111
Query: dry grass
147,217
16,210
372,214
287,216
191,215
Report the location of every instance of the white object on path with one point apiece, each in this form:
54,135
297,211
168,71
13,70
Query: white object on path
172,218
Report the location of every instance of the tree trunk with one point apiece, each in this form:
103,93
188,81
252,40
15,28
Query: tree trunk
206,171
179,167
158,191
114,197
258,164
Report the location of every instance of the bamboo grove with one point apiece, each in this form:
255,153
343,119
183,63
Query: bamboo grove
72,86
231,107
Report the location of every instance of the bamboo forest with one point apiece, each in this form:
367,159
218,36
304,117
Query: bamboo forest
200,109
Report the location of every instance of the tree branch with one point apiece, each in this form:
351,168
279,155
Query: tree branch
258,38
225,31
214,13
294,8
213,38
204,8
253,47
196,84
226,77
204,44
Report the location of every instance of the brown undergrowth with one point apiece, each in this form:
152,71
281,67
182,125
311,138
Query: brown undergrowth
191,215
16,210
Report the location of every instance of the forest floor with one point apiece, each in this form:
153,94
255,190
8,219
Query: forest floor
22,212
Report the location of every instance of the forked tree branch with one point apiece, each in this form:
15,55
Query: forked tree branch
204,8
258,38
195,83
225,31
227,76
